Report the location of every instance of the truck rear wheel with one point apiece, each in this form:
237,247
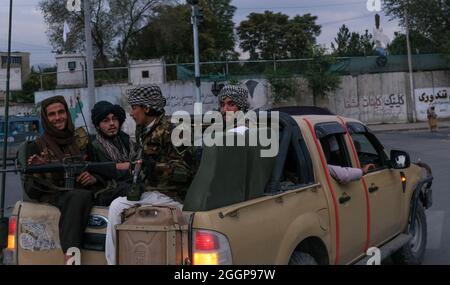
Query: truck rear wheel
413,252
302,258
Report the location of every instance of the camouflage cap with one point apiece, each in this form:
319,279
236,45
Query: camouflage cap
149,96
238,94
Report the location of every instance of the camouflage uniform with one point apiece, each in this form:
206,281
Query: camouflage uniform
166,167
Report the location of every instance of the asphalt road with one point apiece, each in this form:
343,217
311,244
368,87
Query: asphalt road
433,149
13,192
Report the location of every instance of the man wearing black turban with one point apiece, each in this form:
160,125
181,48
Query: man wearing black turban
112,144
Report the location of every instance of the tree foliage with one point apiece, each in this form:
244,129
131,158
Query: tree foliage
113,23
171,30
268,35
419,44
320,79
349,43
429,18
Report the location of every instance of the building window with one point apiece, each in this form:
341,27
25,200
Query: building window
72,65
145,74
16,61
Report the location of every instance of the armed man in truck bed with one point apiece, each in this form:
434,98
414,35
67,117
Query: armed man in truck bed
166,171
62,143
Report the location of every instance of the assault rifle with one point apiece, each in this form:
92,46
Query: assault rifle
71,167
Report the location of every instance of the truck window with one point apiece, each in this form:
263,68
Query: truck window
297,170
335,150
369,150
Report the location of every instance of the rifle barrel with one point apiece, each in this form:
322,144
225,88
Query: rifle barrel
61,167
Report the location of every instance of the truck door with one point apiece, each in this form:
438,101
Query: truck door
351,199
384,185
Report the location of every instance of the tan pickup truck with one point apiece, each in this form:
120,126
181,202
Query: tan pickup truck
245,209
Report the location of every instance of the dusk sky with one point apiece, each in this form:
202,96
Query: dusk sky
29,27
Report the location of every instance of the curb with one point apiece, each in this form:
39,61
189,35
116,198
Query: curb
407,129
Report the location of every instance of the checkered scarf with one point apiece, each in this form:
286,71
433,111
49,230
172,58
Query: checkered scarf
149,96
238,94
115,149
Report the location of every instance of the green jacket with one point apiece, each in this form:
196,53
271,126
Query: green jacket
167,168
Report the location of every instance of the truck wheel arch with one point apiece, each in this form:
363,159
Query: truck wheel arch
303,232
314,247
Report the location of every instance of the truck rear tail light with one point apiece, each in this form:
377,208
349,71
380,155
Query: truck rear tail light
210,248
12,228
206,241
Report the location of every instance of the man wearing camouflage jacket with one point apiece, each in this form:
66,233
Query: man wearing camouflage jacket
166,170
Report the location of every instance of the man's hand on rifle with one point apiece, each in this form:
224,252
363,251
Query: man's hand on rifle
37,159
86,179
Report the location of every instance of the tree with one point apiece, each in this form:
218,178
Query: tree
342,41
429,18
263,35
171,39
320,79
172,29
419,44
352,44
113,22
219,24
55,14
130,16
270,35
301,35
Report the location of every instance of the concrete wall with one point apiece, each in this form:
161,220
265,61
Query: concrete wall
386,97
372,98
15,110
15,79
179,95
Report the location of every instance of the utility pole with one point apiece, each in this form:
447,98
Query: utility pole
411,78
3,221
89,57
197,17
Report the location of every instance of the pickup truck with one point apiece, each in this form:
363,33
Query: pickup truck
287,209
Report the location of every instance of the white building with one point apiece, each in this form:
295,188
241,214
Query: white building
20,69
70,70
150,71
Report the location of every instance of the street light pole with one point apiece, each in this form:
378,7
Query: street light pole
89,57
5,127
411,78
195,19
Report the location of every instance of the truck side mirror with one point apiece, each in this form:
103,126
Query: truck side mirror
400,159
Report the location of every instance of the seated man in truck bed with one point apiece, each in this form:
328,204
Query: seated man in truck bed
61,142
166,170
112,144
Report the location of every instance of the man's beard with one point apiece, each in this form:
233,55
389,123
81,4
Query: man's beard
107,136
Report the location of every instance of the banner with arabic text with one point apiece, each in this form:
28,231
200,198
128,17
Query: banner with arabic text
438,97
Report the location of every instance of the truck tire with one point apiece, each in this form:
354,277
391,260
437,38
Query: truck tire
413,252
302,258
